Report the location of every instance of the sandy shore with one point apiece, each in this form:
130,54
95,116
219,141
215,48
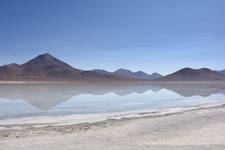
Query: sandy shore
197,129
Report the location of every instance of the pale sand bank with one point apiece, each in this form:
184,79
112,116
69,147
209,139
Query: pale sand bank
197,129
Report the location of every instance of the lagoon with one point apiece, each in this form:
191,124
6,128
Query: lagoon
20,101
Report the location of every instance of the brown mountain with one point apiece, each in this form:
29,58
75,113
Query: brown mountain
189,74
46,67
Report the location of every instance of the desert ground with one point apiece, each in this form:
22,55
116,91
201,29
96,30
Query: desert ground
201,129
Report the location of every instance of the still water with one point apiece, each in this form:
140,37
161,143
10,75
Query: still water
30,100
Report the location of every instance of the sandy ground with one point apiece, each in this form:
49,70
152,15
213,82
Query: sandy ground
194,130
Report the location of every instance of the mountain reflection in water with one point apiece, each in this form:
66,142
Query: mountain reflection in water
47,96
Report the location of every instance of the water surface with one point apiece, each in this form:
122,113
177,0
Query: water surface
31,100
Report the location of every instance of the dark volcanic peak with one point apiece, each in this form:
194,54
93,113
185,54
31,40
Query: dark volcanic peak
47,66
47,59
42,67
189,74
45,55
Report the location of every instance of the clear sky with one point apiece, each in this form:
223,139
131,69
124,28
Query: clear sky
150,35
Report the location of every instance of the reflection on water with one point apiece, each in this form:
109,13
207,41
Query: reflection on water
21,100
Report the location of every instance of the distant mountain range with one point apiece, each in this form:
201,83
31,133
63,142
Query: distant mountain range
139,75
46,67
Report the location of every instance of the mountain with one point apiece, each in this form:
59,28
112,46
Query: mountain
156,75
145,76
189,74
124,73
103,72
222,72
46,67
43,67
139,75
7,71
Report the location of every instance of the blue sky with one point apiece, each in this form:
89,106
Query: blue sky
150,35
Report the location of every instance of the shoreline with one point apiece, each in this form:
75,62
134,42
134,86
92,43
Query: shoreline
21,127
73,119
199,129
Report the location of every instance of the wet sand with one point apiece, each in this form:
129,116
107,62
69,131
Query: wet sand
197,129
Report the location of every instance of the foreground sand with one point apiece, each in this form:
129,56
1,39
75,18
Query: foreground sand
198,130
